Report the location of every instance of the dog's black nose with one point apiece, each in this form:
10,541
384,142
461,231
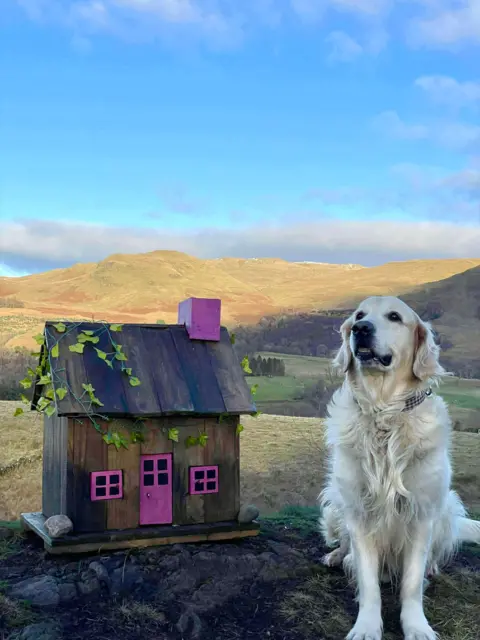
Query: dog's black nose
363,328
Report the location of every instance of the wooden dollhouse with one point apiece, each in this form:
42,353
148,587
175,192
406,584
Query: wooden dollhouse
168,487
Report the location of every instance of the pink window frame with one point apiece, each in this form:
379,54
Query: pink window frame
205,480
107,486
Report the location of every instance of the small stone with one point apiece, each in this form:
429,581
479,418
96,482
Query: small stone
41,631
248,513
124,580
89,586
57,526
100,571
67,591
189,619
41,591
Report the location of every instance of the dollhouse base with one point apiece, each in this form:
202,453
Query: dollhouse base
135,538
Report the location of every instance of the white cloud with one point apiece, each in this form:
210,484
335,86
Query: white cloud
453,135
447,23
389,122
449,91
329,241
343,47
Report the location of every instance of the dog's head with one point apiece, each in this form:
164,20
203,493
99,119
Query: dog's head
384,335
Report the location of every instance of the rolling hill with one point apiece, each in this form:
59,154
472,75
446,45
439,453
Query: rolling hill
146,287
452,305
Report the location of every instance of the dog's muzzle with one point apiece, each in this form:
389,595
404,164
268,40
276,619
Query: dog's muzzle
363,337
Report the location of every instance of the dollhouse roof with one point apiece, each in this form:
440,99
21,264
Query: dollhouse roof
177,375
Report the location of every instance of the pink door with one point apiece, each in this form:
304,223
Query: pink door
156,489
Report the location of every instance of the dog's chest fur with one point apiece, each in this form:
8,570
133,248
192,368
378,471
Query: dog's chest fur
375,461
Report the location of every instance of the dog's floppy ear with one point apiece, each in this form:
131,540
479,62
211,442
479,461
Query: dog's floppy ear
426,354
344,356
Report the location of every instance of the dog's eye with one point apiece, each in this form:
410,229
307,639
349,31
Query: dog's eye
393,316
360,315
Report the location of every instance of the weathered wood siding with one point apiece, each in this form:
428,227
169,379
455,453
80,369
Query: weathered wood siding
54,480
86,452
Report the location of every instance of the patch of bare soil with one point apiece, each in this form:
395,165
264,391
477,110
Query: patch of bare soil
270,587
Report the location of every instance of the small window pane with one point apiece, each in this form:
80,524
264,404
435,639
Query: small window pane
199,475
114,479
101,492
148,465
211,473
148,479
199,486
211,486
162,465
114,491
101,481
162,478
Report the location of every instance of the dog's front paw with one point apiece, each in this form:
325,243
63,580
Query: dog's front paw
366,628
416,627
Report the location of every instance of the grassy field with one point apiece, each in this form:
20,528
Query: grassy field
301,372
282,462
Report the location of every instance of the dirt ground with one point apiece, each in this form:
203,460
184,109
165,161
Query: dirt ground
272,586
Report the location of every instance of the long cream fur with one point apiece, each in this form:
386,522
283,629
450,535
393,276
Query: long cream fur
387,505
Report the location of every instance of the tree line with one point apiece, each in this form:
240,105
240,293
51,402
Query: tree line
266,366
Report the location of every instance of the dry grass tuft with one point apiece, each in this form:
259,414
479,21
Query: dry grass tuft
139,612
15,613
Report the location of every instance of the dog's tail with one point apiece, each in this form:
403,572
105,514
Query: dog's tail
468,530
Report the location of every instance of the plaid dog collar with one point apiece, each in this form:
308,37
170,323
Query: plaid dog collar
412,401
416,399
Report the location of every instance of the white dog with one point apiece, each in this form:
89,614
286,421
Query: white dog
388,505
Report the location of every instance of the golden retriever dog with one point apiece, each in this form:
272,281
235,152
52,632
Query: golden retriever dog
387,505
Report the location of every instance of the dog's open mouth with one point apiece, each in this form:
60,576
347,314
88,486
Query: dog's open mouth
367,355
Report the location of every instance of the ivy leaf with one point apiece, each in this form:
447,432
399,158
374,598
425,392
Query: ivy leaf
255,414
24,399
222,417
50,394
38,370
96,401
134,382
116,327
31,372
88,333
232,338
253,389
109,363
77,348
239,429
246,365
26,383
50,410
190,441
173,434
120,356
202,439
128,371
137,436
39,338
35,354
88,388
60,327
42,403
46,379
84,337
18,412
54,351
101,354
61,393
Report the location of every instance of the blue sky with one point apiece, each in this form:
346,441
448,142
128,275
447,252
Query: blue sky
327,130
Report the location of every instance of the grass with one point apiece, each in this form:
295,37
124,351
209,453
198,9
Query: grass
282,462
281,388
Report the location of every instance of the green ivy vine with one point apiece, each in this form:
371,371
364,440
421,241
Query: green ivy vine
45,374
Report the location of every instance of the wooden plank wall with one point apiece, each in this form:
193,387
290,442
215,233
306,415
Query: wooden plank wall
54,480
87,452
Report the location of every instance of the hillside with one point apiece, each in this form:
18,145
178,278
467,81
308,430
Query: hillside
452,305
149,286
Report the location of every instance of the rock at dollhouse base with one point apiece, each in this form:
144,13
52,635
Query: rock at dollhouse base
57,526
248,513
